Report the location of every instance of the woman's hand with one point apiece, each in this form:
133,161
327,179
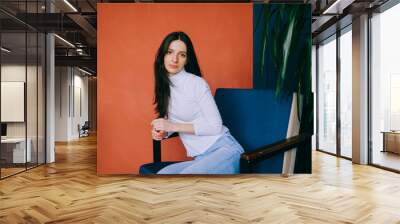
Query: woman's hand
162,124
158,135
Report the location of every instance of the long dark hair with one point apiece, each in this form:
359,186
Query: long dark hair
162,82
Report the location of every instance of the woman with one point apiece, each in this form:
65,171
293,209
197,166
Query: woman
184,104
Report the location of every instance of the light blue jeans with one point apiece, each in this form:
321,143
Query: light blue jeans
221,158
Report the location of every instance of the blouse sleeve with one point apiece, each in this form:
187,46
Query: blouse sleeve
210,122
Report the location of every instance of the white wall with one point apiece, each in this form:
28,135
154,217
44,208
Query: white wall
80,84
10,73
70,94
61,103
15,72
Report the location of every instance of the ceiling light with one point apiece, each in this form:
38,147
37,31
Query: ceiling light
64,40
70,5
337,7
84,71
332,9
5,50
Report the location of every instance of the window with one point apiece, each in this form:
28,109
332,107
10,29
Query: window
346,92
327,96
385,86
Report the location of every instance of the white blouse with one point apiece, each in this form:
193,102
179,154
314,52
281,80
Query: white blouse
191,102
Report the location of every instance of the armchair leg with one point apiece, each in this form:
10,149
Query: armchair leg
289,162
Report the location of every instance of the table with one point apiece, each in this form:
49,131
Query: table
13,150
391,141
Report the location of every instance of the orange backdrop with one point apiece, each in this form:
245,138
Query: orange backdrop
128,38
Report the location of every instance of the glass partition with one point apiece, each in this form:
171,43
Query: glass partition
13,94
22,88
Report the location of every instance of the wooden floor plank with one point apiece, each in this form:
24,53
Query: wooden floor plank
69,191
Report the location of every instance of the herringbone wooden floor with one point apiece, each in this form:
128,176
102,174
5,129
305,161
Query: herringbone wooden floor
69,191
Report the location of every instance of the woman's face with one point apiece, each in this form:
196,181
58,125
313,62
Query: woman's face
176,57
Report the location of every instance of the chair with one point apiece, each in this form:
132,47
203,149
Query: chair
266,126
84,130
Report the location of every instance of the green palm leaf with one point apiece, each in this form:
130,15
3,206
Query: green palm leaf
285,54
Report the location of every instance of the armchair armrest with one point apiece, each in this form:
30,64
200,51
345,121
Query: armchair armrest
249,158
157,148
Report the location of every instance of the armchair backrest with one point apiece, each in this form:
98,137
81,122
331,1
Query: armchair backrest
255,117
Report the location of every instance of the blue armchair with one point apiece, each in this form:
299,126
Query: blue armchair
266,126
